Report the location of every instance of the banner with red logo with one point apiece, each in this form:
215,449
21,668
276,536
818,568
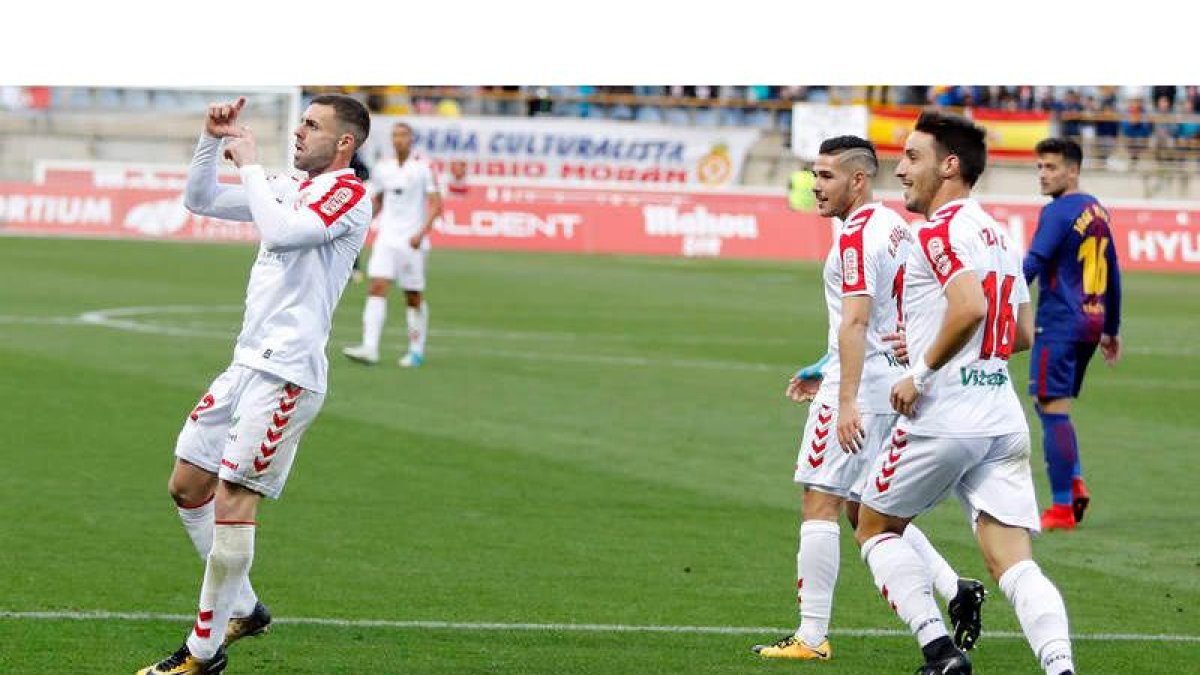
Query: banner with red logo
575,150
528,217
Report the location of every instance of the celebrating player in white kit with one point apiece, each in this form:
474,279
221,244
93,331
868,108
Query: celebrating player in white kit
963,428
239,442
408,201
851,416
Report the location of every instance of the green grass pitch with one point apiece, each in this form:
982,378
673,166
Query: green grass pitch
593,440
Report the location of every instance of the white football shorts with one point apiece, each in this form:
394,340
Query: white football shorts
401,263
988,474
247,428
822,465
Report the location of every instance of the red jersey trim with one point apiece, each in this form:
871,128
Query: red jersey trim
345,192
850,251
935,244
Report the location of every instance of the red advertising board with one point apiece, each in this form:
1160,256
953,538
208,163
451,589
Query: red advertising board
78,211
745,225
723,224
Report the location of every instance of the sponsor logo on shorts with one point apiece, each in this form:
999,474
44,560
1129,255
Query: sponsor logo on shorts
974,377
232,466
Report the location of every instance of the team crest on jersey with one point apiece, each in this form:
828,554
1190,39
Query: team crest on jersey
937,254
336,201
850,267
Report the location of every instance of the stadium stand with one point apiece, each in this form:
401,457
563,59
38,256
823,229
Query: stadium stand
1141,141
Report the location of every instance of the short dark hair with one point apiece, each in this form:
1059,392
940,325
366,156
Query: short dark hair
840,144
351,115
1066,147
958,136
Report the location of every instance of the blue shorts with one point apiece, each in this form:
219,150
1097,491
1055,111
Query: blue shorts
1056,368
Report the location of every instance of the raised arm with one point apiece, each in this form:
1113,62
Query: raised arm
204,195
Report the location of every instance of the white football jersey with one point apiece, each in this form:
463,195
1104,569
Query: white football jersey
972,395
867,258
311,231
405,188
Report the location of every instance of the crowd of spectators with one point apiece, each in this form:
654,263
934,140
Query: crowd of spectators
1159,122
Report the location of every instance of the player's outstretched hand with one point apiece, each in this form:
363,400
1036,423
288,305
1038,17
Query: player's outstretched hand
222,118
1110,348
802,391
242,149
898,342
849,428
904,397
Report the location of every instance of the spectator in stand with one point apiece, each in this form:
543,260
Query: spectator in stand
1190,128
1136,129
1166,129
1108,127
1071,105
539,102
1046,100
1024,98
1160,91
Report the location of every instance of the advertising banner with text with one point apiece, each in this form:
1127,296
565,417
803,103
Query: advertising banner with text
576,150
723,224
746,225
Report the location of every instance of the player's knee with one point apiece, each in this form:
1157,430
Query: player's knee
379,287
187,493
1054,406
821,506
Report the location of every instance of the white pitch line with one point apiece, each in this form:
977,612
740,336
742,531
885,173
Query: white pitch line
100,615
127,319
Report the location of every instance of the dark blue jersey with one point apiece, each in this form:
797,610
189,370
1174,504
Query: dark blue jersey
1074,261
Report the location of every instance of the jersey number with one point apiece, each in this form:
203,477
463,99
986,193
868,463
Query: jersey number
1095,265
1000,326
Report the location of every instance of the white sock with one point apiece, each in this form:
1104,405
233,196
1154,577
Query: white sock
904,582
374,314
418,326
1042,614
816,575
198,523
228,564
944,578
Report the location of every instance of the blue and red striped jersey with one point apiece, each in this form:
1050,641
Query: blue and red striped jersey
1075,262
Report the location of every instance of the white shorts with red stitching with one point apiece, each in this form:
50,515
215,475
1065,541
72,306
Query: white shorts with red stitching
988,474
247,428
822,465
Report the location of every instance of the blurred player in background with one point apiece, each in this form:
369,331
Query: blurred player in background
1078,308
851,416
238,444
408,200
962,428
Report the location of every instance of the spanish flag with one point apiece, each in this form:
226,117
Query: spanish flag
1010,134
